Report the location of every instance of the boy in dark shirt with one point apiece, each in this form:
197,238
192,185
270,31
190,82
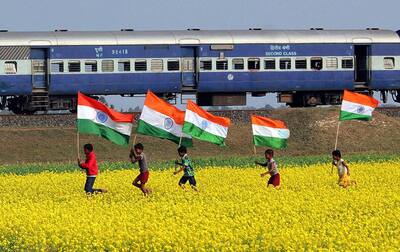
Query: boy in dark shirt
186,167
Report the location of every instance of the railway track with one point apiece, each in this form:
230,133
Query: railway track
68,119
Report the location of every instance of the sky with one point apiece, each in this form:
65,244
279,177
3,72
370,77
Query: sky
78,15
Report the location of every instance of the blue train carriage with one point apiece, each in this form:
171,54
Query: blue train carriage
44,70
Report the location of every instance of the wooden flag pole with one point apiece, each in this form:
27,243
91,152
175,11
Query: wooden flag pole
180,141
77,144
134,139
255,150
337,135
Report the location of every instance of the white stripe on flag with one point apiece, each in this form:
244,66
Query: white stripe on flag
99,117
206,125
264,131
161,121
356,108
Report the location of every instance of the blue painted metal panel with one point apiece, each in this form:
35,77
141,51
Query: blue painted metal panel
15,84
63,84
275,81
85,52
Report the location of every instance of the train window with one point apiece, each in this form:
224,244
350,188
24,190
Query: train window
38,66
316,63
107,66
206,65
57,67
222,64
140,65
238,64
331,63
10,67
388,63
74,66
173,65
157,65
253,64
124,66
347,63
285,64
301,64
269,64
91,66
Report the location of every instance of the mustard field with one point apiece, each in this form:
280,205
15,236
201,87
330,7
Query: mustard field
233,211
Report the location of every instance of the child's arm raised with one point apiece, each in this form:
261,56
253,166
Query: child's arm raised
134,157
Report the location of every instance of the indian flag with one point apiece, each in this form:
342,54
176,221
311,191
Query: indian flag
204,126
268,132
96,118
357,106
162,120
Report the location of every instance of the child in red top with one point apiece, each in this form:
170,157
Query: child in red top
90,165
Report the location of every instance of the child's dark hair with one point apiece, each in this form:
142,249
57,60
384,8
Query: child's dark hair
138,146
182,149
336,153
270,152
88,147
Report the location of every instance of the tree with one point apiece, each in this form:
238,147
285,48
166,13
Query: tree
102,99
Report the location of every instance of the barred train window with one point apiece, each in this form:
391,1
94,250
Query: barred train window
285,64
10,67
347,63
388,63
316,63
222,64
91,66
173,65
301,64
38,66
57,67
331,63
74,66
157,65
107,66
206,65
253,64
124,66
140,65
269,64
238,64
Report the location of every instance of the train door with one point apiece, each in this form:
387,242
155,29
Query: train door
189,67
362,64
39,68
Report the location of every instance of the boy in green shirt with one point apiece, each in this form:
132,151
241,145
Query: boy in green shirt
186,167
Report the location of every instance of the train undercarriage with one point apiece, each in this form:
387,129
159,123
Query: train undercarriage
30,104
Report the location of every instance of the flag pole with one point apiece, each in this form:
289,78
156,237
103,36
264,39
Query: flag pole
180,141
77,144
337,135
255,150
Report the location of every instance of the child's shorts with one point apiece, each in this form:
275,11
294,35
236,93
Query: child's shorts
275,180
184,179
345,181
144,177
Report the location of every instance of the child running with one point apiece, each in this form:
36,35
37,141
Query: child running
343,170
186,167
92,170
272,167
137,155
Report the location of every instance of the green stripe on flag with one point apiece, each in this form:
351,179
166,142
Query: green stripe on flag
273,142
90,127
201,134
345,116
147,129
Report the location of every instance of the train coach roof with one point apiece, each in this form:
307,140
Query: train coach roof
196,37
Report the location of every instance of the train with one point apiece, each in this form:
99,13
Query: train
43,71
